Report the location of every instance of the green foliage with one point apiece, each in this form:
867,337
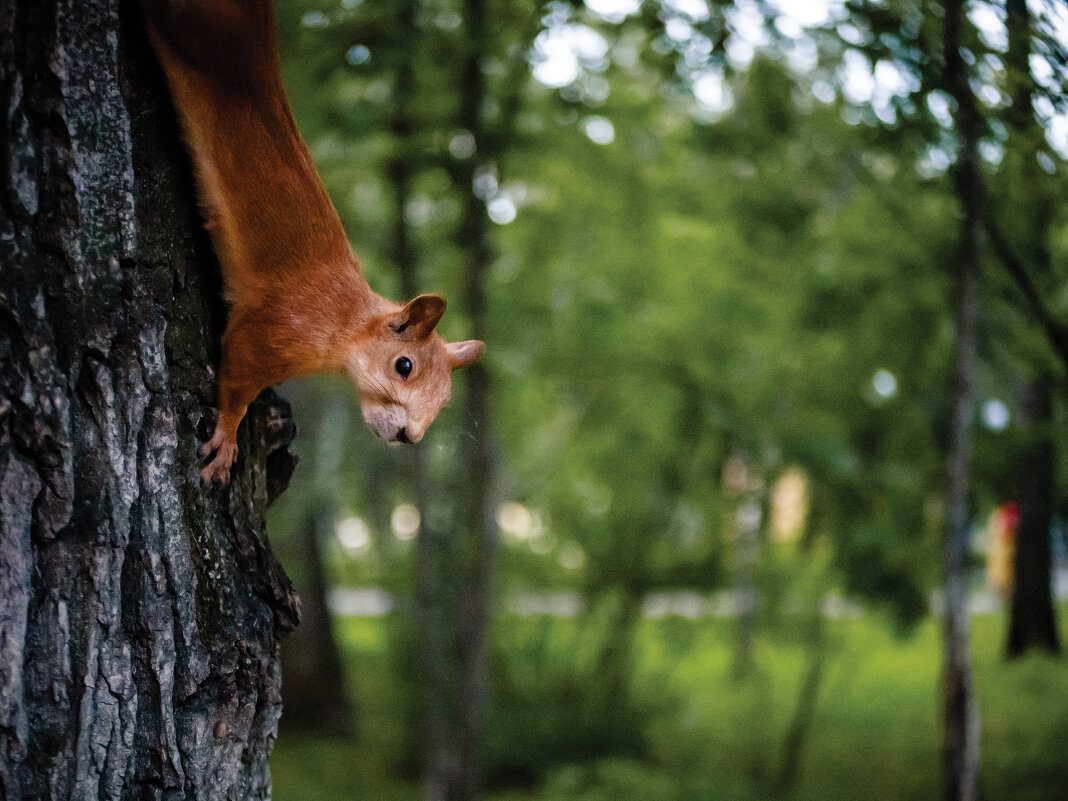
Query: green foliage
686,291
550,706
704,736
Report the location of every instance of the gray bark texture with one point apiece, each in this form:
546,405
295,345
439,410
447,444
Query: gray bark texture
139,609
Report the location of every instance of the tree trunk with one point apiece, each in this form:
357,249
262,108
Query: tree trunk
139,609
432,613
797,732
746,554
477,525
1032,623
315,692
961,714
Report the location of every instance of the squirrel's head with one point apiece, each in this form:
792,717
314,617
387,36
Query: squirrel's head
402,369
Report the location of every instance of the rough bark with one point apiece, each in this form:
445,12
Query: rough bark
960,750
139,609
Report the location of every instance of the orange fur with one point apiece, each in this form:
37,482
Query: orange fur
299,303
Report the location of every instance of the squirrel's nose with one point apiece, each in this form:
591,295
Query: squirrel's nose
402,436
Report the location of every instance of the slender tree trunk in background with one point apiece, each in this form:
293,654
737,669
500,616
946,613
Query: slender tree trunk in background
140,610
315,692
804,713
455,555
745,487
614,665
433,618
1032,623
477,466
961,712
433,626
477,526
746,552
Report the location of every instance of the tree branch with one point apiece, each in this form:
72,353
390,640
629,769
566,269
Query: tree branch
1056,332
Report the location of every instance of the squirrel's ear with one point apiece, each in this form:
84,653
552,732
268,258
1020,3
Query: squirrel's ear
418,317
462,354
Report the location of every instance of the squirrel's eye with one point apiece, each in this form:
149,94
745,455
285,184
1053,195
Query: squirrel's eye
403,366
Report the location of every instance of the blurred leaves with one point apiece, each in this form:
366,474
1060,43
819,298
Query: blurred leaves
757,264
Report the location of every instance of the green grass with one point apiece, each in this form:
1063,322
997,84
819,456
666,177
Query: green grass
875,733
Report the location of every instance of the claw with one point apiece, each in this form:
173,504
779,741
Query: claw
218,469
216,472
213,444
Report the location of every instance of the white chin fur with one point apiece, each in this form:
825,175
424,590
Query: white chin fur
384,424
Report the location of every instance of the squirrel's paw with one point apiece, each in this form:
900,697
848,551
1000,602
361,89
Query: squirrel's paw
218,469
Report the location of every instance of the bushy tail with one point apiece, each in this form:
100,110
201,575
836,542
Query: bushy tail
229,44
259,193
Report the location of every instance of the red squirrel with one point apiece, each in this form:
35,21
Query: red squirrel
299,302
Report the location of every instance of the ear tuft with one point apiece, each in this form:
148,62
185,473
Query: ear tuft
462,354
418,318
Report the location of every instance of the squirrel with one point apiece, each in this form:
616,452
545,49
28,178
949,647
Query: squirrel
299,304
